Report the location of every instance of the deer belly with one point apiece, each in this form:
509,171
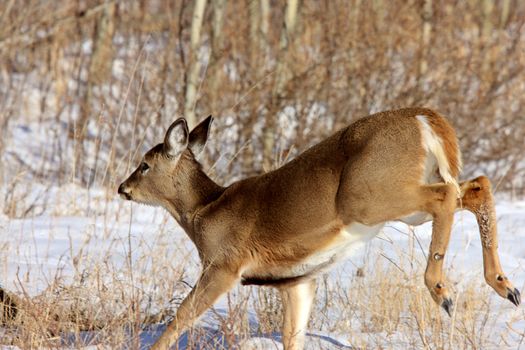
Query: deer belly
349,240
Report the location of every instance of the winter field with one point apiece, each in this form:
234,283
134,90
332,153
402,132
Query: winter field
86,87
90,270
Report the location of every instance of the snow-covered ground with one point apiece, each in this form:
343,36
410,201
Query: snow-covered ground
80,229
73,236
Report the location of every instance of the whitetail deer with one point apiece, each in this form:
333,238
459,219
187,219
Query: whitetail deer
286,227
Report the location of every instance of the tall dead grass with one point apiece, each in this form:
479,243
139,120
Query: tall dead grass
66,127
101,81
110,302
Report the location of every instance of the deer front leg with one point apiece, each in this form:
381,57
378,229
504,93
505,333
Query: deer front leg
476,196
213,282
440,202
297,301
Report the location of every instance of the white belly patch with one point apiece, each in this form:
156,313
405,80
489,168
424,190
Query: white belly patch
349,240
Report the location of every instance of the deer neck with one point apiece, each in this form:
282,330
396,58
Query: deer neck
194,190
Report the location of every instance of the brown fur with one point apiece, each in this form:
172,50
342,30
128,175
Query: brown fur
261,229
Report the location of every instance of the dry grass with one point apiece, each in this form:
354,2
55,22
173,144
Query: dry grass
75,119
114,290
136,281
100,105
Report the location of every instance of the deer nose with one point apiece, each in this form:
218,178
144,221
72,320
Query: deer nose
123,191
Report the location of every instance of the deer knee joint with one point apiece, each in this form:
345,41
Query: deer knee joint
482,182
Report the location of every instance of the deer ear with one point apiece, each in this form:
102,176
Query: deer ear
199,136
176,139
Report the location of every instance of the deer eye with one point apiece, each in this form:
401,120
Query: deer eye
144,167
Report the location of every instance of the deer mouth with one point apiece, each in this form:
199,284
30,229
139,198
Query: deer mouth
126,196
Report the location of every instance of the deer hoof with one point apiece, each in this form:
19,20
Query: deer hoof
514,296
447,304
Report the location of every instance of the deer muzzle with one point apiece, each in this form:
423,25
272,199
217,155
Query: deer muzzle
124,191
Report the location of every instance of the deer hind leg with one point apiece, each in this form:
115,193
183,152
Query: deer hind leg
212,283
476,196
440,201
297,302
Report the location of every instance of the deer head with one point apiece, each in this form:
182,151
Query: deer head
162,177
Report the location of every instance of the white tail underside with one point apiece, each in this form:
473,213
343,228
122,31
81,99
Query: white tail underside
433,144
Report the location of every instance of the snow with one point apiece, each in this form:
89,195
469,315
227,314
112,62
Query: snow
34,249
72,230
